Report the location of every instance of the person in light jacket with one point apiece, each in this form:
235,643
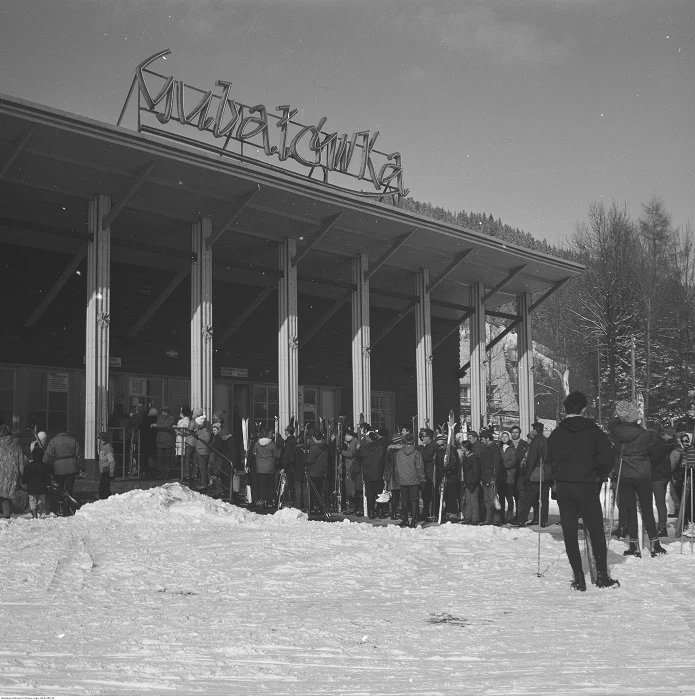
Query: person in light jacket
408,469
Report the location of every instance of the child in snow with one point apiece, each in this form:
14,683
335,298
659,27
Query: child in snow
35,478
107,465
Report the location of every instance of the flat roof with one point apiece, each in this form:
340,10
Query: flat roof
52,162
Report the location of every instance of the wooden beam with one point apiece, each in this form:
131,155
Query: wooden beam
338,304
241,205
14,153
392,324
399,243
454,329
514,324
53,291
512,274
326,226
452,266
236,324
154,306
118,208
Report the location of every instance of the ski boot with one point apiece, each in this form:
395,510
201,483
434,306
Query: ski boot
579,582
633,551
657,549
603,580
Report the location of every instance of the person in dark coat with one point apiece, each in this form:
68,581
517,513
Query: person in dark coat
287,459
470,463
660,457
453,479
580,456
353,482
266,455
507,480
520,445
148,443
390,477
294,467
316,465
427,451
407,469
36,479
370,456
634,444
64,457
490,469
536,480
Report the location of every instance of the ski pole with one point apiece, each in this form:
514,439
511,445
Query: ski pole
540,519
615,498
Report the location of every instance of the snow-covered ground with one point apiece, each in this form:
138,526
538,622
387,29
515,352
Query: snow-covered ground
169,592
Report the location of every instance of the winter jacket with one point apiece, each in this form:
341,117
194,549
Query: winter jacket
510,463
427,452
521,447
578,451
165,435
35,478
288,454
370,457
266,454
537,455
390,474
407,466
316,460
471,471
490,463
63,454
632,444
148,436
295,465
107,462
659,456
11,461
203,438
350,454
181,436
452,471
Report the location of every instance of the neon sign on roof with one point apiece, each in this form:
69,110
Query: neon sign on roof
220,119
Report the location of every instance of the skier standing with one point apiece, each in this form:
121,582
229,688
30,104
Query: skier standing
471,484
427,451
581,456
266,454
491,468
349,453
535,458
370,456
408,470
316,464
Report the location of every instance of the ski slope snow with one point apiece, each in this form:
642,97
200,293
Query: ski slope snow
169,592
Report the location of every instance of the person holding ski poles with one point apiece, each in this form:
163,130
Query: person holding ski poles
581,456
634,476
427,451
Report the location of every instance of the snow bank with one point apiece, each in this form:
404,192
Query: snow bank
163,502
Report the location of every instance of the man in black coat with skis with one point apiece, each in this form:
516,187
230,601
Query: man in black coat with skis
581,457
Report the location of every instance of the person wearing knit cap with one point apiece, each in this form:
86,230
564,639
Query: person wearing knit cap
633,469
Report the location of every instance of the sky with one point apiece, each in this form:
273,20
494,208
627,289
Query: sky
529,110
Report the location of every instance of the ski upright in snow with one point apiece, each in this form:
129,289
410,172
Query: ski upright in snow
247,469
365,509
589,551
448,456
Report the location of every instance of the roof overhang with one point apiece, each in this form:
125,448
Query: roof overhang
52,162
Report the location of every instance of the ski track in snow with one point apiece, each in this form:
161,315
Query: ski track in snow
170,592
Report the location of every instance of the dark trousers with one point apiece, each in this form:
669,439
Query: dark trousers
531,501
67,481
575,501
104,485
452,497
410,500
202,464
301,495
629,491
373,488
426,499
396,500
659,491
266,487
506,494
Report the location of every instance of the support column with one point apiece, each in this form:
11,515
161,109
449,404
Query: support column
201,317
525,365
361,341
288,344
477,353
423,351
96,413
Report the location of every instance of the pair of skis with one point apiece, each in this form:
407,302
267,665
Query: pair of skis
448,456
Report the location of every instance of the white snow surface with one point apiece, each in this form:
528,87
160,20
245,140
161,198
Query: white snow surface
168,592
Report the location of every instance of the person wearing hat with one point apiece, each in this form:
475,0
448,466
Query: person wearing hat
353,484
370,456
660,457
267,456
536,475
408,470
165,438
490,469
202,435
427,449
391,483
107,465
581,456
470,475
633,468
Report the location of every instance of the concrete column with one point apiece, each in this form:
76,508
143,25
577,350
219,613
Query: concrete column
525,367
98,319
201,318
423,351
477,354
361,340
288,344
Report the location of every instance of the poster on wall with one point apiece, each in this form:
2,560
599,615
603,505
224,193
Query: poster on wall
58,382
137,387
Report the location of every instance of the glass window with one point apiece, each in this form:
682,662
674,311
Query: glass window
47,400
383,410
181,395
265,405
